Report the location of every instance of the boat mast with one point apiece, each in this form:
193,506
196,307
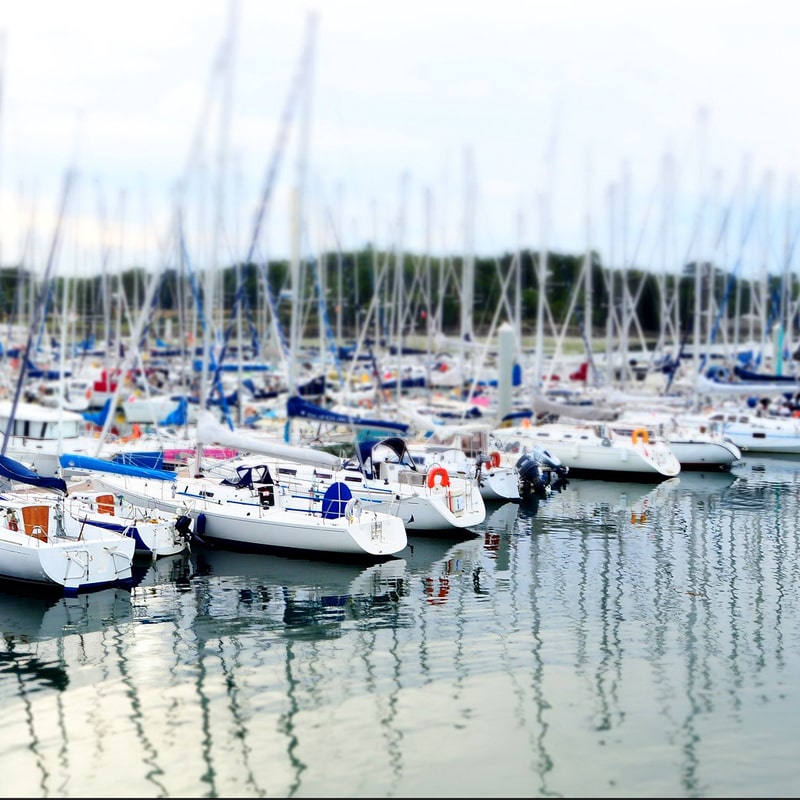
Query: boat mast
468,274
297,212
39,308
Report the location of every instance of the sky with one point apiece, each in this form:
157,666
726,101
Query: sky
652,132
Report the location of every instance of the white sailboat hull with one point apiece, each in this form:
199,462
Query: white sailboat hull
758,434
155,533
584,450
240,519
61,553
699,453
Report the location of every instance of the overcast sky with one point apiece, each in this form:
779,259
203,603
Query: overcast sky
441,126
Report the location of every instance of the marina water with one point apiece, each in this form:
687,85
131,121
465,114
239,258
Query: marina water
616,639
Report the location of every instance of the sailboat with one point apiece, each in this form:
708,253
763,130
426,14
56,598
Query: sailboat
46,544
591,450
383,478
247,509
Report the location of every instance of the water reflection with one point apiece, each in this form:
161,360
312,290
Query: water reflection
763,480
291,592
648,628
26,618
607,502
31,672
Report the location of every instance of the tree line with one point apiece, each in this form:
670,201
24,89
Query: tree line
343,291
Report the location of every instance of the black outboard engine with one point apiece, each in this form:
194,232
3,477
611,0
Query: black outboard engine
546,458
552,465
532,481
480,460
183,524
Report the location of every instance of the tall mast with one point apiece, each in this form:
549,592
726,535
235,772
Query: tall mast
468,274
298,198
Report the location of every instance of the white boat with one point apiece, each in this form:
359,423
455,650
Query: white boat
58,392
152,409
156,533
697,444
752,432
386,478
383,477
254,512
590,449
39,434
45,544
258,514
743,389
497,482
501,476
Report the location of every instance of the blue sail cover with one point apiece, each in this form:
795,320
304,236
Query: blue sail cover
298,407
80,461
33,371
98,417
15,471
177,416
750,375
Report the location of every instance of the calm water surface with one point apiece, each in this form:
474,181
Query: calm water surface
619,639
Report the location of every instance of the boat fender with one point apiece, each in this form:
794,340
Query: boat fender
200,526
438,472
640,435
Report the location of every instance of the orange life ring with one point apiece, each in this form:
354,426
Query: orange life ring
443,474
526,422
494,457
640,435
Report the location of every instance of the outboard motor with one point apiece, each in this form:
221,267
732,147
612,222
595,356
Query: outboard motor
552,464
546,458
480,460
532,481
183,525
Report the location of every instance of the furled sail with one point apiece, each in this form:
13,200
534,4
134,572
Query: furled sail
209,431
82,462
298,407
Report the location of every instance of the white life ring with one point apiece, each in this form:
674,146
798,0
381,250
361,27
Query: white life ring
353,509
